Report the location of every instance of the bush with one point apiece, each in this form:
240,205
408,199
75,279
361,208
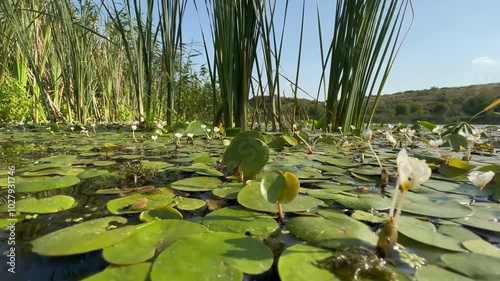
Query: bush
15,103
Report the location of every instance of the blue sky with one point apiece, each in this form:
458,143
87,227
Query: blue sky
451,43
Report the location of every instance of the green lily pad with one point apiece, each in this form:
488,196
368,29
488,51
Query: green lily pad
365,202
60,159
135,272
249,155
47,205
166,212
197,184
425,232
458,188
47,184
333,230
188,204
484,217
250,197
240,220
458,232
423,205
149,238
103,163
369,217
277,186
432,272
227,192
225,256
480,246
91,173
125,205
299,263
82,238
475,266
195,128
61,171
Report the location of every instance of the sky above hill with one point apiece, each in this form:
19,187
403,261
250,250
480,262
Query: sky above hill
451,43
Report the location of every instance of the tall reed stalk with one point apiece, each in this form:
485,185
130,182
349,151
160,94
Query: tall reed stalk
234,29
366,37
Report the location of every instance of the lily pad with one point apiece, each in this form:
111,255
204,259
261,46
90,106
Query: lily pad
82,238
197,184
149,238
363,202
425,232
240,220
299,263
91,173
188,204
125,205
334,230
458,188
47,205
166,212
249,155
423,205
484,217
225,256
480,246
277,186
432,272
250,197
135,272
475,266
47,184
61,159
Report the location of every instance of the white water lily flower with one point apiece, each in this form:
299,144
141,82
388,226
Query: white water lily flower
209,130
367,135
203,126
435,143
480,179
438,129
178,135
190,135
390,138
134,127
158,132
216,130
154,137
412,171
72,128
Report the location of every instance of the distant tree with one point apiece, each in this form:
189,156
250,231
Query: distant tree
476,103
440,108
402,109
417,108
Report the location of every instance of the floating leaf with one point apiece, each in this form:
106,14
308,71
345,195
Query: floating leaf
47,184
197,184
425,232
91,173
161,213
225,256
432,272
250,197
304,257
277,186
423,205
480,246
124,205
188,204
240,220
47,205
135,272
249,155
82,238
149,238
341,232
475,266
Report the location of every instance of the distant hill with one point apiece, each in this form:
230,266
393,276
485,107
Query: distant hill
440,105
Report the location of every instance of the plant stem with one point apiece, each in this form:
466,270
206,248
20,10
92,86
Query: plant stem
400,206
394,199
281,216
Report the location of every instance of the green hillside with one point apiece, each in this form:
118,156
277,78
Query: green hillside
441,105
